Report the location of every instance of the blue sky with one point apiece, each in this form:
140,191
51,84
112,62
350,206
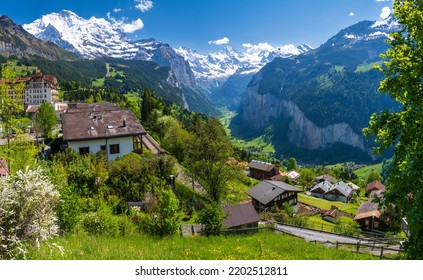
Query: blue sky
207,25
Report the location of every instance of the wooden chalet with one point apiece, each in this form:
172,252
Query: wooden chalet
332,214
374,186
321,189
337,192
368,214
240,216
262,170
269,195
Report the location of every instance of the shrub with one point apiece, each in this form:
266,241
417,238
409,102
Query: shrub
103,222
27,202
349,228
212,217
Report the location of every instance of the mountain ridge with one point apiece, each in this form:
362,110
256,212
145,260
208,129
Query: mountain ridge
303,98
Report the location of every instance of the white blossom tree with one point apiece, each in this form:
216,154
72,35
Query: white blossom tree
27,216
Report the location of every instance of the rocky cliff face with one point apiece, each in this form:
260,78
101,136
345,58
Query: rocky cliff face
14,40
301,132
164,55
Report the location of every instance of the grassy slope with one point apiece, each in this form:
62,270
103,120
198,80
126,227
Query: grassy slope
264,245
326,204
365,171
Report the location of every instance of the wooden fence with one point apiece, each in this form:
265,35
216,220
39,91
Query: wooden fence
377,248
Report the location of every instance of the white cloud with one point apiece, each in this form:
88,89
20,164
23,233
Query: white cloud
383,0
351,14
386,12
144,5
258,48
223,41
133,26
117,10
126,27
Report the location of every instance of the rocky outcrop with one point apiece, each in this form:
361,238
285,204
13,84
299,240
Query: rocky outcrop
164,55
14,40
261,109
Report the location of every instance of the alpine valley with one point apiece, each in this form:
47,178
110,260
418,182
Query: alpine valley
310,103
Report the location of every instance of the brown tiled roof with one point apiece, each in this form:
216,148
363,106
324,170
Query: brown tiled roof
32,108
375,185
240,215
260,165
87,125
92,107
369,208
333,212
326,177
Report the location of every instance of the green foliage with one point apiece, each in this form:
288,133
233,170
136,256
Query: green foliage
146,107
289,209
21,153
292,164
348,228
299,221
174,137
103,222
212,216
68,209
208,149
46,119
164,215
307,176
27,202
10,106
404,129
132,176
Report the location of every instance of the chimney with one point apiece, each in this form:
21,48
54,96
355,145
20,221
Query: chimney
124,123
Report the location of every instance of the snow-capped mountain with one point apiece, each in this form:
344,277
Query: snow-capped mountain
362,33
212,70
95,37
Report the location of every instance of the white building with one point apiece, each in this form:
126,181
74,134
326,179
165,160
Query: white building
89,128
41,89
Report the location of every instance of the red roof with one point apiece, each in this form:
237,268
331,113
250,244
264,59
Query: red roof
374,186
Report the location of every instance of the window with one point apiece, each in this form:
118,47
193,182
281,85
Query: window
114,149
84,150
103,148
137,143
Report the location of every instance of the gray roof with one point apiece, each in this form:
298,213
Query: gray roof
239,215
85,124
267,190
261,165
342,188
325,186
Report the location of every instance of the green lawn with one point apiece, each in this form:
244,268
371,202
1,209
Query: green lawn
264,245
326,204
316,222
364,172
